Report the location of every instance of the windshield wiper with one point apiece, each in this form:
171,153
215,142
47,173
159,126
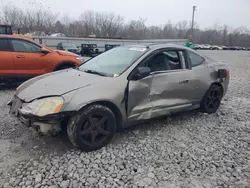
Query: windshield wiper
95,72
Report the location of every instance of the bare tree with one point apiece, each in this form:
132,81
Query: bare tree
106,24
154,32
136,29
88,22
12,15
182,28
109,23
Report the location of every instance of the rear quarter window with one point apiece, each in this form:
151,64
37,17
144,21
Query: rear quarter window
195,59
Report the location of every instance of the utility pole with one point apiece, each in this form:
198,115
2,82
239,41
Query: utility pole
192,27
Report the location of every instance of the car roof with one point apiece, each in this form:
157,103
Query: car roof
154,46
23,37
14,36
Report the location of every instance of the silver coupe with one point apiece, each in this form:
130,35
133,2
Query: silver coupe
120,86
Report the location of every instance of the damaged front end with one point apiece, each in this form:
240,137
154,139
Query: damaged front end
43,114
50,125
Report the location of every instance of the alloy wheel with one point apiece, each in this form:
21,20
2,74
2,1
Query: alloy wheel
213,99
94,129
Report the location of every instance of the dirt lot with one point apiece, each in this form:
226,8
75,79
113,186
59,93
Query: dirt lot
185,150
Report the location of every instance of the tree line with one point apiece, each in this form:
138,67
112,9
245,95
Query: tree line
106,24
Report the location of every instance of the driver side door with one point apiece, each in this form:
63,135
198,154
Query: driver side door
168,88
139,104
173,85
28,59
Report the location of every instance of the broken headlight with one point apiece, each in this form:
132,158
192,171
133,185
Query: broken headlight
43,107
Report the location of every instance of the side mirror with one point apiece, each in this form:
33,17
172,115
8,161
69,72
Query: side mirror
45,51
140,73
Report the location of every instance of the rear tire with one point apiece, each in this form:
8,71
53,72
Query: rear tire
212,99
93,128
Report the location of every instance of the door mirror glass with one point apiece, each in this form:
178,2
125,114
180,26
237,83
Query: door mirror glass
140,73
45,51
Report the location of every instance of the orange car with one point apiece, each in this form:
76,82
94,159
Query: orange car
21,58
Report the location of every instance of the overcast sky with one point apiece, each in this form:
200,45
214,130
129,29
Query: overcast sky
231,12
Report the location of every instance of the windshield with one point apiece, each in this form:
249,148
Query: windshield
115,61
69,45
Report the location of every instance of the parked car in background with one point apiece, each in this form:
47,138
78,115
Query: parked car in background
202,47
215,47
110,46
90,50
197,47
5,29
206,47
57,35
22,59
225,48
117,87
232,48
219,47
70,47
36,33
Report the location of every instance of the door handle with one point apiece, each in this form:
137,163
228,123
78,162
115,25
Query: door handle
184,81
20,56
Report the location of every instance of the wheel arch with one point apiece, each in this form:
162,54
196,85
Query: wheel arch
217,84
220,85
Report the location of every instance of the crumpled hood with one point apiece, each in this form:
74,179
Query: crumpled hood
56,84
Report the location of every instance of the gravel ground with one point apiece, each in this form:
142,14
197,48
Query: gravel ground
189,149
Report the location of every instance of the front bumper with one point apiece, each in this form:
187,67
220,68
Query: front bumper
47,125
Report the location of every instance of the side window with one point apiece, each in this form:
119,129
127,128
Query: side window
25,46
4,46
195,59
165,60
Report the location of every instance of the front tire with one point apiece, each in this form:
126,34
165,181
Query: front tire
212,99
93,128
